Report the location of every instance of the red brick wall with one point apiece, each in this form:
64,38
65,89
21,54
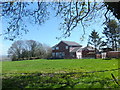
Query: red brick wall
85,54
113,54
62,48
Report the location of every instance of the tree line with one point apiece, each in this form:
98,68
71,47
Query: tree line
28,49
111,36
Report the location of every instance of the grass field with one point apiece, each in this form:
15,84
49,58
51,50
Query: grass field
64,73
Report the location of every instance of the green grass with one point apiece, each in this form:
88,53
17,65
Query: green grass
48,66
66,73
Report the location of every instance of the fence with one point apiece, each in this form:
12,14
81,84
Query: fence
113,54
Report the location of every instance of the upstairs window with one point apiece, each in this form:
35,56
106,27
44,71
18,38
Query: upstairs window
66,47
57,48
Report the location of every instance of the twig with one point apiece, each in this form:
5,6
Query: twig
115,79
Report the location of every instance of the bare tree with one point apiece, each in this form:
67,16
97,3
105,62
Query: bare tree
15,51
47,51
28,49
32,47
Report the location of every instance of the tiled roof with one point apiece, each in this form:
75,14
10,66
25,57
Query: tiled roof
71,43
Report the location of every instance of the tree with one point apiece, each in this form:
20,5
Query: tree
72,13
114,7
111,31
47,51
28,49
18,12
15,51
95,40
32,47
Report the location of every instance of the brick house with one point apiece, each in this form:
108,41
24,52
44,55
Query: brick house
88,52
73,50
109,53
67,49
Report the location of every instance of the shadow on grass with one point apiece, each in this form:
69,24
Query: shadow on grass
55,81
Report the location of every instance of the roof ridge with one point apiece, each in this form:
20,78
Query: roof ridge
70,41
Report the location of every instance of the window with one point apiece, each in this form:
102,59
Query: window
57,54
57,48
60,54
53,54
66,47
63,54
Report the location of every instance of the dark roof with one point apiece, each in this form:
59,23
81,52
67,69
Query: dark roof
107,49
75,49
71,43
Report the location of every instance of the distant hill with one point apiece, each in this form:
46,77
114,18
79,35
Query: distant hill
4,58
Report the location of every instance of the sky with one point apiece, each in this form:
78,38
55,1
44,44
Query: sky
47,33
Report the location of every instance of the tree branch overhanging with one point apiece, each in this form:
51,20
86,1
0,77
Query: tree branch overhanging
72,14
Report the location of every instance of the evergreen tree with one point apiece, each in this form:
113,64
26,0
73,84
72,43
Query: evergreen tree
111,31
95,40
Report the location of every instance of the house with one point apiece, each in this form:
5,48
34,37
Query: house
109,53
67,49
104,52
88,52
73,50
113,54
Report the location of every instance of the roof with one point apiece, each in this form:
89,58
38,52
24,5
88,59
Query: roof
88,48
75,49
71,43
107,49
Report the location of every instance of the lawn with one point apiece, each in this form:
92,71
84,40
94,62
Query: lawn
64,73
